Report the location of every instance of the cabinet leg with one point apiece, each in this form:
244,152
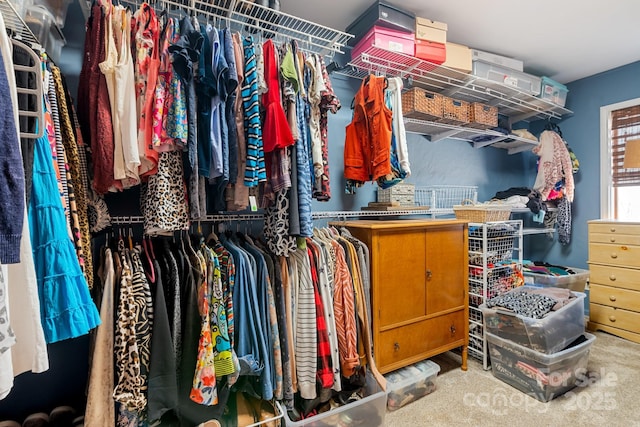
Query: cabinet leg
464,358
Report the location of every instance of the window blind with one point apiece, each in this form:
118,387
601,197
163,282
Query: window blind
625,126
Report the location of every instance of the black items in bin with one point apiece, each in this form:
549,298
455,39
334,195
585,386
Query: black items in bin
364,408
541,376
382,14
546,335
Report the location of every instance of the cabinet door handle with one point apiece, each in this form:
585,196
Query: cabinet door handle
612,277
614,255
612,297
396,346
613,229
612,239
453,330
428,273
612,318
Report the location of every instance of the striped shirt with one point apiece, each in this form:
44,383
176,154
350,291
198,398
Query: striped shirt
255,171
305,327
344,309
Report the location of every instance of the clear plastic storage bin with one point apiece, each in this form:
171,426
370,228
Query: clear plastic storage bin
541,376
411,383
548,335
576,282
508,77
554,91
368,411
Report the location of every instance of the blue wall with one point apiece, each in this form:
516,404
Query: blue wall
446,162
582,132
456,162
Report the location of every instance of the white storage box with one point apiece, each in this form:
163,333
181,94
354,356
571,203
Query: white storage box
524,82
411,383
547,335
493,58
541,376
401,193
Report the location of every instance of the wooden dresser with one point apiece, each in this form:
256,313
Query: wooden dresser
419,288
614,291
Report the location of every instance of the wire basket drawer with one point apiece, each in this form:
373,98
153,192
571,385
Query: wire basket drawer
444,197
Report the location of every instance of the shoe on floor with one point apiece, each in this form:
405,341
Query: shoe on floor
9,423
62,416
39,419
78,421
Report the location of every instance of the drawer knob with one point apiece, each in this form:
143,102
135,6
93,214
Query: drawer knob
429,274
612,318
612,239
396,346
453,330
614,255
612,277
613,229
612,298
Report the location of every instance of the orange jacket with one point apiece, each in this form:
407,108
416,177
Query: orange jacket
367,145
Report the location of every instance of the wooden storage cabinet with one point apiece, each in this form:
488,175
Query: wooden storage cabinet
419,288
614,261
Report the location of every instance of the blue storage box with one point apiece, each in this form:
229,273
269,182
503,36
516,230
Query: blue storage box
553,91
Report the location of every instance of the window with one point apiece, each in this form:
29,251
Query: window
620,180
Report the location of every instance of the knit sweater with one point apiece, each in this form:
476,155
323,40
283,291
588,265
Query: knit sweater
12,197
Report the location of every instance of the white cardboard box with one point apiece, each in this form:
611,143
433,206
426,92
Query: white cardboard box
434,31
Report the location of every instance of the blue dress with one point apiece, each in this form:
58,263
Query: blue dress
66,307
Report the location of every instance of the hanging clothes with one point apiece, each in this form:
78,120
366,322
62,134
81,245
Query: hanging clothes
100,404
255,172
329,102
93,98
368,136
275,129
12,193
69,313
127,155
555,165
146,34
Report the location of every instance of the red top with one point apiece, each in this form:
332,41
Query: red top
275,130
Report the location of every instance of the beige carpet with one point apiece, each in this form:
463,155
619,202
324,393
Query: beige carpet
477,398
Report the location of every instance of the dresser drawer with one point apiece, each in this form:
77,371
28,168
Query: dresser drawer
626,278
620,239
615,297
615,317
622,255
614,228
418,339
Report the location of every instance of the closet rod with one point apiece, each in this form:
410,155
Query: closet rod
126,220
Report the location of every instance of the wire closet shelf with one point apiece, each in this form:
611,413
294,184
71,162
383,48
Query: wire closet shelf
253,18
510,101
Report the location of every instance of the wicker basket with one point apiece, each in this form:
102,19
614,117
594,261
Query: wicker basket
482,116
482,212
455,111
422,104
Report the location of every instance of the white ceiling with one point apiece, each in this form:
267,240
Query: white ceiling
563,39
